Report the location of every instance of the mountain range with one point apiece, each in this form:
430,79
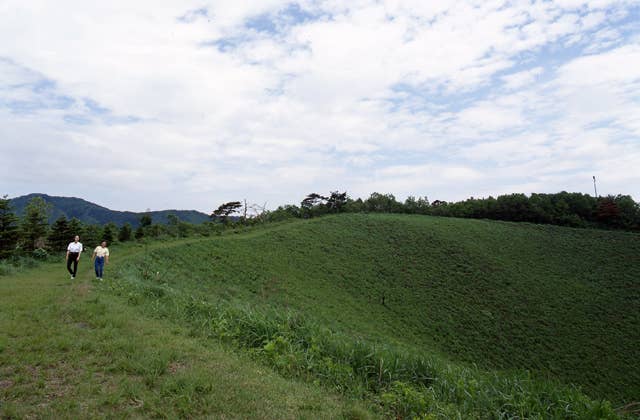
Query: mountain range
92,213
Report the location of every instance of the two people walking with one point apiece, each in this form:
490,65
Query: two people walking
100,257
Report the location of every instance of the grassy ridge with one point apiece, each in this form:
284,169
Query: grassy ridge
560,302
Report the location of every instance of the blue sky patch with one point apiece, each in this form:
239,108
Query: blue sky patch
192,15
95,107
225,45
276,23
75,119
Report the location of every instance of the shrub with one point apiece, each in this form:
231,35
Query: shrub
40,254
404,400
6,269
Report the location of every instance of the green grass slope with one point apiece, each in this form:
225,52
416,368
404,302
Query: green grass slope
68,350
350,316
562,303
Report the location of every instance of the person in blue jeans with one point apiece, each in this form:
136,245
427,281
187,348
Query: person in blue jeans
100,258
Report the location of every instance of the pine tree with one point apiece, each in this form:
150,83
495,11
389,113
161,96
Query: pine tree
139,233
225,210
146,220
108,233
60,234
75,228
125,233
92,236
8,228
172,224
35,224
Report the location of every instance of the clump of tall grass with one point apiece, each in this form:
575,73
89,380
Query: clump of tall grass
16,264
6,268
404,384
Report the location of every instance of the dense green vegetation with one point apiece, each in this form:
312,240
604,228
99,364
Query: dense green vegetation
401,308
563,208
93,214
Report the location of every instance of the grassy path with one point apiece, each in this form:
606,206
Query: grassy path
68,351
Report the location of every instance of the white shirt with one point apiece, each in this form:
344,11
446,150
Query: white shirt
74,247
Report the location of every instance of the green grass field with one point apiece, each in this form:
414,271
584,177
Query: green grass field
375,314
68,350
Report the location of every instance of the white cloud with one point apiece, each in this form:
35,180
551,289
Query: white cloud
345,100
611,67
522,78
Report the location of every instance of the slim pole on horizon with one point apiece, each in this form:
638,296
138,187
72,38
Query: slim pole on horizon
594,186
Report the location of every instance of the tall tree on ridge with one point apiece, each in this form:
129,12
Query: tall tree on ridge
225,210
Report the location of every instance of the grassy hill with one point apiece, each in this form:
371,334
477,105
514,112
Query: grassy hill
414,315
561,303
91,213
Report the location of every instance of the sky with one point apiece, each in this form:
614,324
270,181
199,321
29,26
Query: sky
189,104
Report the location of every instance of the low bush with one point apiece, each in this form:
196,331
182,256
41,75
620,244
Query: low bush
6,268
40,254
17,264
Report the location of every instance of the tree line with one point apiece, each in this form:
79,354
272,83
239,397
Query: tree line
31,234
563,208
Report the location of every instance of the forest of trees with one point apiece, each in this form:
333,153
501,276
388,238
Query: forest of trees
564,208
32,235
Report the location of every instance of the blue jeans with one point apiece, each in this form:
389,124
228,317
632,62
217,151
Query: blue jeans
99,266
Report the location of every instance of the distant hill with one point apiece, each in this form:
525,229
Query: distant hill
88,212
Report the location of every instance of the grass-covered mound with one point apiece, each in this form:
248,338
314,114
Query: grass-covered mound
379,305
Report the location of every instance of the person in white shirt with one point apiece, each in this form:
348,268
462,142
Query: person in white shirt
100,258
73,256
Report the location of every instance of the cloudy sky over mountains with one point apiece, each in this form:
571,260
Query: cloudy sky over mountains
164,104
